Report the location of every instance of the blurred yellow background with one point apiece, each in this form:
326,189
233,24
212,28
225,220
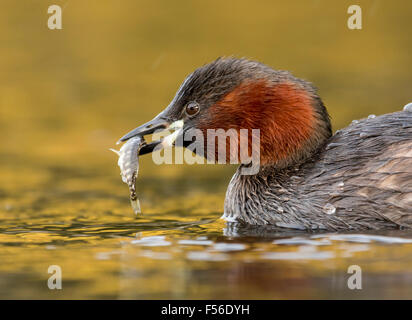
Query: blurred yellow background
66,96
115,64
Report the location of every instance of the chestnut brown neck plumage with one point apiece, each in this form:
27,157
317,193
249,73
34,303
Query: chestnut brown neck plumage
292,120
291,117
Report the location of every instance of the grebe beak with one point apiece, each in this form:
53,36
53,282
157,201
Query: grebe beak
158,123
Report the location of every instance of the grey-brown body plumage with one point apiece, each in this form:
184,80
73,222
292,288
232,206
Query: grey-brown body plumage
360,179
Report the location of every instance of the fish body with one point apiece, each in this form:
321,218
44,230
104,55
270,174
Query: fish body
128,163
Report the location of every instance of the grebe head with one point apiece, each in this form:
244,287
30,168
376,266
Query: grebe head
239,94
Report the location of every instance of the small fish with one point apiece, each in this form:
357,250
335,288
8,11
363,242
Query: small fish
129,166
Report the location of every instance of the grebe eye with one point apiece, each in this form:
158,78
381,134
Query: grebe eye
192,108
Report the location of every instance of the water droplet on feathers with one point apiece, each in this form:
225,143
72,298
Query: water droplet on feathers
329,209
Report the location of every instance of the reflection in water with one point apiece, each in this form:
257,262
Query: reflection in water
67,96
78,216
310,265
193,255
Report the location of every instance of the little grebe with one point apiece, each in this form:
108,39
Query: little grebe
359,178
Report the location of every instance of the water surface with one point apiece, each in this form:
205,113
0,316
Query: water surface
178,248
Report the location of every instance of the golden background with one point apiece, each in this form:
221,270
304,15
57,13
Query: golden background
66,96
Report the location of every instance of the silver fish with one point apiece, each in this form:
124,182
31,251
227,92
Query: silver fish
129,167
